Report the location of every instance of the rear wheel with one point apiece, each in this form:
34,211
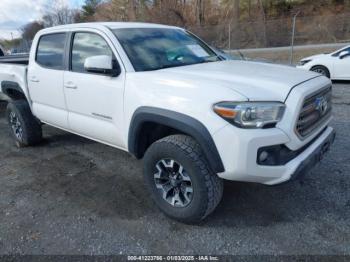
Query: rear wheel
25,128
179,179
321,70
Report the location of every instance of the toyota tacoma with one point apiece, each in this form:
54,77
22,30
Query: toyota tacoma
164,95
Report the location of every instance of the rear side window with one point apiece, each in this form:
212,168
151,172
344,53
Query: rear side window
50,51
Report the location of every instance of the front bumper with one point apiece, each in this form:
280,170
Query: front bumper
316,155
239,155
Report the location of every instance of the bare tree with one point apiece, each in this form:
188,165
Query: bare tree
59,14
30,29
114,10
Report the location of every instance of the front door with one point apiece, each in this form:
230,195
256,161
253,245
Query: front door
45,80
94,101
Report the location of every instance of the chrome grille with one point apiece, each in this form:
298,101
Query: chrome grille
316,109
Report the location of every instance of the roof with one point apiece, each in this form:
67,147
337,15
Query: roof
116,25
110,25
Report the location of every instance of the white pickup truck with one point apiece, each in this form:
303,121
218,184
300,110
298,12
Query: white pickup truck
162,94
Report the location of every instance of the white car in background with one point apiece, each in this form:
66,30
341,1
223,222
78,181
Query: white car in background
335,65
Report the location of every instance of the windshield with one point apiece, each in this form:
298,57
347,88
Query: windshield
158,48
337,53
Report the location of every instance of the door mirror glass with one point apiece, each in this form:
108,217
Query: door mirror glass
344,54
101,64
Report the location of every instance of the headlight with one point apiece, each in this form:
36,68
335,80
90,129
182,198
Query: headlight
251,114
304,62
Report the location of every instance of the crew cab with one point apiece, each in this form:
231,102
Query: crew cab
162,94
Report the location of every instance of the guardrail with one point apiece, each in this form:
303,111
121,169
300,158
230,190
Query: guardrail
297,47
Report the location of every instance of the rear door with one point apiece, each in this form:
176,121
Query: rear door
45,79
94,101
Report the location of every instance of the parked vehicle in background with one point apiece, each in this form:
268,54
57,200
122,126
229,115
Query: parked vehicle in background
2,53
162,94
335,66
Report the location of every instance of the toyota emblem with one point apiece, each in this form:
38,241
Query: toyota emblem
321,105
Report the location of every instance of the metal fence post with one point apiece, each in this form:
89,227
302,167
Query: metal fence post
229,36
293,35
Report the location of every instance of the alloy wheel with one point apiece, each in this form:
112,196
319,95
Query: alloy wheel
320,71
16,126
173,183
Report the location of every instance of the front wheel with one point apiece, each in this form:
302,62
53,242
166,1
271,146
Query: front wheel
179,179
321,70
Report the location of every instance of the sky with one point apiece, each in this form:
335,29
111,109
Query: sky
16,13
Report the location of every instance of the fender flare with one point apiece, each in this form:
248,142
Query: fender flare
10,85
181,122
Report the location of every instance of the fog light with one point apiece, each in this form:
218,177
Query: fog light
263,156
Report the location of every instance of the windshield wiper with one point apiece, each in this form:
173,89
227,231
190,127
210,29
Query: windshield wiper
163,67
178,65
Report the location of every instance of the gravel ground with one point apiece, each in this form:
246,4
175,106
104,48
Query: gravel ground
74,196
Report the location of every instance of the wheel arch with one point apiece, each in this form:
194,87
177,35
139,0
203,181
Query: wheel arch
150,117
12,90
324,66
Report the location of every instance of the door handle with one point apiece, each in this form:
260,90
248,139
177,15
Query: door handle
34,79
70,85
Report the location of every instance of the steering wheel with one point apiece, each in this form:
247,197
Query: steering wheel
177,58
188,57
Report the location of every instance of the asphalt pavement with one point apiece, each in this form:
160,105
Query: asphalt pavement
71,195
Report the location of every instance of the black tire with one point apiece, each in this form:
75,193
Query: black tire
31,133
206,185
321,70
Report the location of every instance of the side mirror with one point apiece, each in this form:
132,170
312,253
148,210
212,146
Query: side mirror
344,54
102,64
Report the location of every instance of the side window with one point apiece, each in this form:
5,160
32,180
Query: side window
87,45
338,53
50,51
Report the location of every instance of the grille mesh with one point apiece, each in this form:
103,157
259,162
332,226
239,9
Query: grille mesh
315,110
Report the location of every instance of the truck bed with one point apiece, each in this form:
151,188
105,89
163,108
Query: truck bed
21,59
13,70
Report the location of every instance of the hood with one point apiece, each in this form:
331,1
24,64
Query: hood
313,57
256,81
